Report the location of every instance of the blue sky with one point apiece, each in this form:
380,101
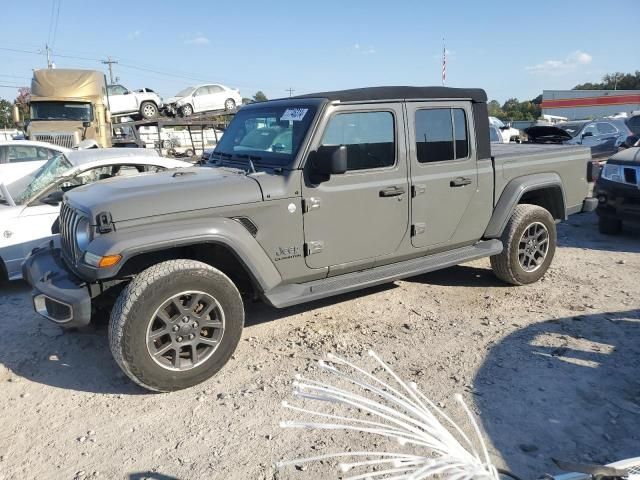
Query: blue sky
511,49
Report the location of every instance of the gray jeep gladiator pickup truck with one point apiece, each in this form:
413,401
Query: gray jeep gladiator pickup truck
307,197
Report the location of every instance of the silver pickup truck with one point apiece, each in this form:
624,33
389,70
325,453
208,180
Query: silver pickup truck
306,198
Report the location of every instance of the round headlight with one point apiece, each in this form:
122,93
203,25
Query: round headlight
83,234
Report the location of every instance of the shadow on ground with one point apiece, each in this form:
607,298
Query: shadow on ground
574,378
150,476
581,231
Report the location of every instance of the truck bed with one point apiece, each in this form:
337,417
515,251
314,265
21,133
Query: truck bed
569,162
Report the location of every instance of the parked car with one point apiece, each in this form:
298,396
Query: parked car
507,132
19,158
618,191
203,98
286,216
29,207
604,137
144,102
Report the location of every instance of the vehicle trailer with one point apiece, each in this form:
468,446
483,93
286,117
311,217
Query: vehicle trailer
308,197
69,106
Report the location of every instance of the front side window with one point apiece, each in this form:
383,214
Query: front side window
116,90
441,134
590,130
77,111
368,136
268,135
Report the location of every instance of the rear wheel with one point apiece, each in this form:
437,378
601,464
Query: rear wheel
529,241
148,110
609,225
176,325
229,104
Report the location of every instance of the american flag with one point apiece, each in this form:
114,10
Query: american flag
444,63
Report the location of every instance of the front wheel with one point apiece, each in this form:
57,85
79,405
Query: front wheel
187,110
229,104
175,325
529,242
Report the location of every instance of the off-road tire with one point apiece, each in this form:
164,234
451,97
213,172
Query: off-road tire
148,110
506,265
609,225
139,300
186,111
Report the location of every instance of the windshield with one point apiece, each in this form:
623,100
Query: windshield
186,92
82,112
33,184
270,135
571,128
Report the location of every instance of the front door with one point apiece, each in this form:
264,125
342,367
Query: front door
443,171
354,217
201,99
121,100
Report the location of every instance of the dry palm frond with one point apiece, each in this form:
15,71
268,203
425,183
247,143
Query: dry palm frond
397,410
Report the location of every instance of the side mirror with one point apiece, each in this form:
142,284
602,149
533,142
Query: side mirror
330,160
54,198
587,134
631,141
86,124
127,92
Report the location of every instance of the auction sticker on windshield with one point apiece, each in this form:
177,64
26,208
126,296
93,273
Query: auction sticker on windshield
294,114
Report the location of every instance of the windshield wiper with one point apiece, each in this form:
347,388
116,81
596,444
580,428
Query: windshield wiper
250,158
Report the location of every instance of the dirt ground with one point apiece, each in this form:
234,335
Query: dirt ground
550,369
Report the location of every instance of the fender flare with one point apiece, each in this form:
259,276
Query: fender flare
135,241
513,192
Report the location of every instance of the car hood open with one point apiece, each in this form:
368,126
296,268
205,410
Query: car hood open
173,191
547,134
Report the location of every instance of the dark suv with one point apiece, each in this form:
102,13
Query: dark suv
618,191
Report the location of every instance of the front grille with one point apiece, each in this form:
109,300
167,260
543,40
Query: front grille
69,219
67,140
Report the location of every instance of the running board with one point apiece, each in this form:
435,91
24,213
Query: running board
287,295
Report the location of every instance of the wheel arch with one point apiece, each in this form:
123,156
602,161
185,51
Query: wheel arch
223,243
544,190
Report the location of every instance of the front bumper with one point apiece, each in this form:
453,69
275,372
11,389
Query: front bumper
58,294
617,200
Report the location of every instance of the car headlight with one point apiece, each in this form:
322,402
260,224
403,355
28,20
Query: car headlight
612,172
83,234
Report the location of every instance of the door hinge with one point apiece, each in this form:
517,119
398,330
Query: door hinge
311,203
418,190
418,229
311,248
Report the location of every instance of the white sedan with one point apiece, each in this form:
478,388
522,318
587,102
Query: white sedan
203,98
29,207
19,158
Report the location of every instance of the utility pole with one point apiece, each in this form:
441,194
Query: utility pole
109,61
290,90
46,47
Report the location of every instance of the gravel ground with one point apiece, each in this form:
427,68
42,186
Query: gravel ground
551,369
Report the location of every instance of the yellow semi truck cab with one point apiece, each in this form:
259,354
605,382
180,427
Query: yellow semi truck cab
68,106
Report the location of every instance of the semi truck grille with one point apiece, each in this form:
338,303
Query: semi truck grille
67,140
69,219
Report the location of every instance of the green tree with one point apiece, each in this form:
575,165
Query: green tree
6,119
617,80
260,96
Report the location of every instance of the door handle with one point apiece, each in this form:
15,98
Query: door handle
392,191
460,182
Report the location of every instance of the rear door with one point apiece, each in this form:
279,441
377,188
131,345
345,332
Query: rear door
217,97
444,177
608,137
354,217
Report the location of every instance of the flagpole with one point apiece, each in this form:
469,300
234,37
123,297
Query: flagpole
444,62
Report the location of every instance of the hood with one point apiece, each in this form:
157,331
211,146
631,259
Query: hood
547,134
172,99
629,156
173,191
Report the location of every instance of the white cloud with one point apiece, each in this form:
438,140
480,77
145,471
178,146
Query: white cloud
198,39
364,51
134,35
571,62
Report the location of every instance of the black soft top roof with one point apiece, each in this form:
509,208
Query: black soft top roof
476,95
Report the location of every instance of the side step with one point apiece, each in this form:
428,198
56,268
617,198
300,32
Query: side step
287,295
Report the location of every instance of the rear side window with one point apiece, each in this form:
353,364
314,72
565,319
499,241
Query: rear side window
606,128
441,134
368,136
23,154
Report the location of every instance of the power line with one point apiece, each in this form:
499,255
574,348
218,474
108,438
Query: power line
55,29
